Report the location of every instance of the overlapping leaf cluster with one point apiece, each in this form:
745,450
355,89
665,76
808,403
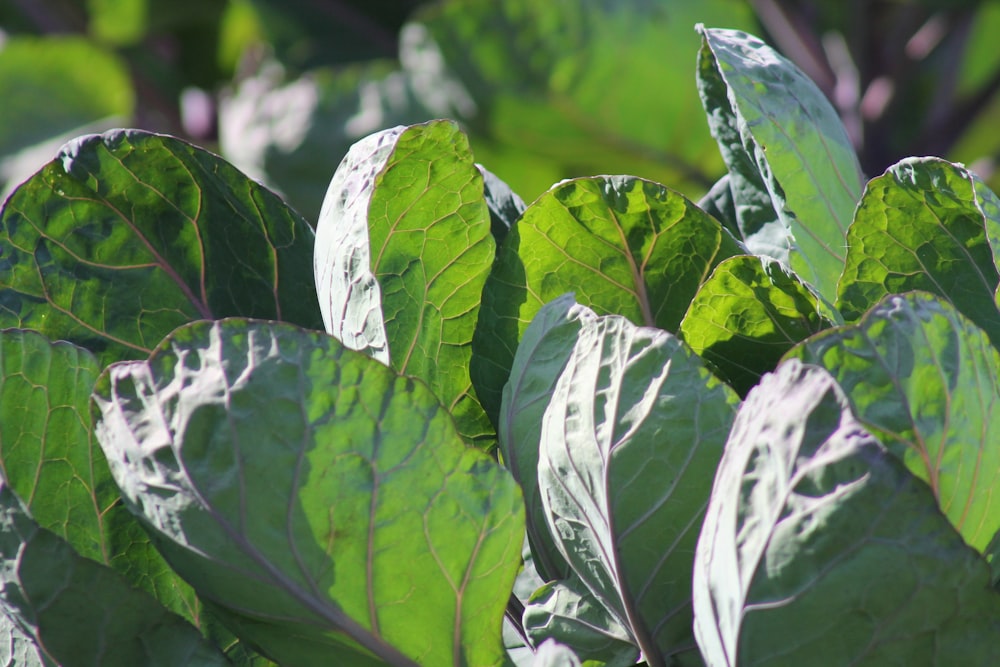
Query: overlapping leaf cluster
753,430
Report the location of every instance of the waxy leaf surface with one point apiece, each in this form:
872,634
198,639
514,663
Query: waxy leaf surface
925,380
324,503
920,226
622,244
78,612
126,235
748,314
630,442
793,174
819,548
403,248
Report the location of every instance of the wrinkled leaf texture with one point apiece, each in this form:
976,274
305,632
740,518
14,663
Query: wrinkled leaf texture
820,548
324,505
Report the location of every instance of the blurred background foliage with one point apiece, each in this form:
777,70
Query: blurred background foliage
546,89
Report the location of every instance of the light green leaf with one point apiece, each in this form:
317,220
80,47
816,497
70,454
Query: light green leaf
924,379
630,441
324,502
554,654
624,245
748,314
920,226
127,235
568,613
820,549
403,248
546,347
794,176
51,461
78,612
17,649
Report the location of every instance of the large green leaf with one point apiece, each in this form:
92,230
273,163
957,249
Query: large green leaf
748,314
127,235
403,248
77,612
624,245
924,378
820,549
920,226
630,442
794,176
51,461
324,503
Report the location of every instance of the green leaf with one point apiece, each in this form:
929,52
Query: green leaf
324,502
503,203
920,226
403,248
624,245
630,441
78,612
748,314
794,176
127,235
820,549
546,348
568,613
18,649
924,379
51,461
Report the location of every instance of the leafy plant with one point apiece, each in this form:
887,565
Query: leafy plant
757,429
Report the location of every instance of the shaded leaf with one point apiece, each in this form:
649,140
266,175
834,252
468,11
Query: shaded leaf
624,245
924,379
793,173
403,249
127,235
920,226
819,548
748,314
503,203
225,444
79,612
630,441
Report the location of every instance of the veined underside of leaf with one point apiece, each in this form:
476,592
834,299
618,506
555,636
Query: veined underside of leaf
925,380
324,504
126,235
819,548
403,248
629,443
623,245
794,178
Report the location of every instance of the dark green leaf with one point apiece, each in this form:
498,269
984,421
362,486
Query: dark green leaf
748,314
624,245
630,441
504,205
81,613
127,235
794,176
403,248
920,226
924,378
327,504
820,549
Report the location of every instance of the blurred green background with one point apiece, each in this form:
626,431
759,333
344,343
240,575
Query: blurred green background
547,89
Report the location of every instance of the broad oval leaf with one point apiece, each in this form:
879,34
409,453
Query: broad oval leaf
630,442
624,245
820,549
403,248
78,612
51,461
126,235
925,380
920,226
748,314
793,173
324,503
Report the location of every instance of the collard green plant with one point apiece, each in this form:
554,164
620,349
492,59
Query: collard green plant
610,427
